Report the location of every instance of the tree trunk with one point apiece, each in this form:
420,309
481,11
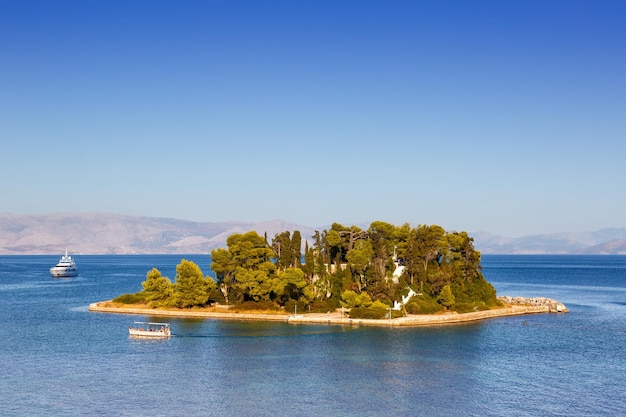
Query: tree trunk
224,290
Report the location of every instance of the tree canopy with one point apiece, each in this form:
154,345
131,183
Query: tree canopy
191,288
343,259
342,266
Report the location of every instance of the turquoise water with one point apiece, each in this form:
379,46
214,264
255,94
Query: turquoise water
58,359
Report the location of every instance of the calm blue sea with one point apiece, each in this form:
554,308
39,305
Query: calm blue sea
58,359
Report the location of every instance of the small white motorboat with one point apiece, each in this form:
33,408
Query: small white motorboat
66,267
149,329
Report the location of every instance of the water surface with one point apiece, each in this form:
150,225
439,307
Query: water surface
61,360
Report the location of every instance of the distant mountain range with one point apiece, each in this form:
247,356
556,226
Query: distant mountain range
602,242
102,233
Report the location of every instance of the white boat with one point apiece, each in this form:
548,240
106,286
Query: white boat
149,329
66,267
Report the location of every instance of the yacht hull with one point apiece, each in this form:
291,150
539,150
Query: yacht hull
63,273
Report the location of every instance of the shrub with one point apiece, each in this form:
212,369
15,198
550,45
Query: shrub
420,305
469,307
136,298
350,299
446,298
323,306
379,304
369,313
477,291
290,306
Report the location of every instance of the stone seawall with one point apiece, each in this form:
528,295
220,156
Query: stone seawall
332,318
420,320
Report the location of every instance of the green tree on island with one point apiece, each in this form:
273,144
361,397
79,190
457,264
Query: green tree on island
446,298
157,290
191,288
360,259
245,270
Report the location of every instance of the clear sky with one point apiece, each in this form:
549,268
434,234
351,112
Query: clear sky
502,116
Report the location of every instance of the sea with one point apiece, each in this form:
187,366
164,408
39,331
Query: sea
59,359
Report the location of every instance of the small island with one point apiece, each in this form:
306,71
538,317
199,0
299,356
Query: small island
385,275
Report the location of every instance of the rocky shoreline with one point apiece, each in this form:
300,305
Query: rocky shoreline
513,306
553,305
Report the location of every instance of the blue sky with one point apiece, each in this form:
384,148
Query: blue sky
502,116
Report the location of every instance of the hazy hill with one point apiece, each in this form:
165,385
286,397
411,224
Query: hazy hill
101,233
617,246
604,242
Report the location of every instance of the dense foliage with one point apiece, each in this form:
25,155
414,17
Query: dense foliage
346,264
365,271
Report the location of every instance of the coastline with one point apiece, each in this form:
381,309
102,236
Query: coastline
330,318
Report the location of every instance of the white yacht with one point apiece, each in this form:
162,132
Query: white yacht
66,267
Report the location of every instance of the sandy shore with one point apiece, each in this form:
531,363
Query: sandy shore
334,318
